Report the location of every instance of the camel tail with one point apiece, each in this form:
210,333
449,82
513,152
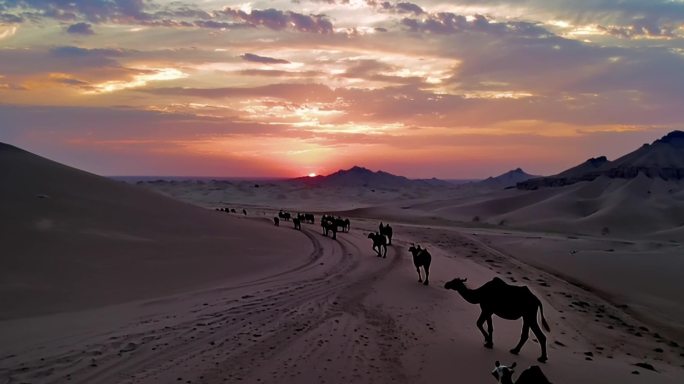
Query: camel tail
544,323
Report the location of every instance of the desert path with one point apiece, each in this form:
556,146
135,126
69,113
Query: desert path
343,315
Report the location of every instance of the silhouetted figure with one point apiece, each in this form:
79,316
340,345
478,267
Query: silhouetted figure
309,218
276,221
421,258
532,375
342,224
508,302
297,223
387,231
328,224
284,215
244,212
232,210
379,244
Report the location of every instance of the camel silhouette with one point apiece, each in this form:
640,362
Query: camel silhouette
532,375
387,231
508,302
379,244
284,215
345,224
297,223
421,258
329,226
309,218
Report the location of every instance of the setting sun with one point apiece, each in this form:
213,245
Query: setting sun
312,174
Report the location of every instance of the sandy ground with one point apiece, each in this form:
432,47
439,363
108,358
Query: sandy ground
105,282
340,315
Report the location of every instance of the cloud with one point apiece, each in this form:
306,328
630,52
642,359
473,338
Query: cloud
262,59
95,11
81,29
409,8
642,27
8,18
292,92
280,20
450,23
212,24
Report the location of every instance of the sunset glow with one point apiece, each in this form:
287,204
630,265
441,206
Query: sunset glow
431,88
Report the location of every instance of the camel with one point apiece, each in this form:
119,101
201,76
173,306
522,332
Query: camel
387,231
379,244
345,224
509,302
297,223
276,221
532,375
284,215
309,218
421,258
328,226
232,210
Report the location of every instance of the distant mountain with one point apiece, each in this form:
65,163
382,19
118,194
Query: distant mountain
507,179
364,177
663,159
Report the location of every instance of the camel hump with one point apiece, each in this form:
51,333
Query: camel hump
532,375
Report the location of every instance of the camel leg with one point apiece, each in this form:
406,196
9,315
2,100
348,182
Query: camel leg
427,274
385,248
480,321
523,338
542,340
420,278
490,328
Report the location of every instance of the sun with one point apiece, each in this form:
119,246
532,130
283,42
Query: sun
312,174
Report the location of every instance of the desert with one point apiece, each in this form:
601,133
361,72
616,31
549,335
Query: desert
179,288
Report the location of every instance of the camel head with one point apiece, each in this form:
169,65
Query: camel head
456,284
414,248
371,235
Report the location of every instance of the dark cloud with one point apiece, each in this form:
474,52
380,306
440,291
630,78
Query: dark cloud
9,18
409,8
93,10
263,59
80,29
280,20
449,23
642,27
71,51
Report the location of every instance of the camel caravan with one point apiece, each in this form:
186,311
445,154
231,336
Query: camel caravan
496,297
231,210
332,225
296,220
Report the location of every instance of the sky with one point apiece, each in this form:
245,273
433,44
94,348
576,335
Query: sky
434,88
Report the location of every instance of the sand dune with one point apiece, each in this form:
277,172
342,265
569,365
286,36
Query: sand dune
74,240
